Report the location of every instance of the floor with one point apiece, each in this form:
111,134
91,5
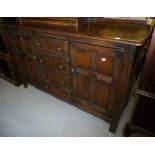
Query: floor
32,112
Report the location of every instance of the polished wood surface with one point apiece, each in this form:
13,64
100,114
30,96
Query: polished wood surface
92,66
65,21
114,30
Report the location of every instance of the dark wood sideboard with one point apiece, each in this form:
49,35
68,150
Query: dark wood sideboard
91,64
141,123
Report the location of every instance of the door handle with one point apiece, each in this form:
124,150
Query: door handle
73,70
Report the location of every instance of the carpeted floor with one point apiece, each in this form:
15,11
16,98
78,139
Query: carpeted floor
32,112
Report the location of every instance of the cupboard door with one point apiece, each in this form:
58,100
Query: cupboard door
28,65
23,47
23,41
95,71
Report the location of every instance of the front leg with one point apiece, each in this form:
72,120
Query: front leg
25,85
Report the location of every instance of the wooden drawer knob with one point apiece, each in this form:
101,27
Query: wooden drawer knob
59,49
66,42
63,82
47,87
41,60
34,58
61,66
67,59
64,94
44,75
103,59
38,44
72,70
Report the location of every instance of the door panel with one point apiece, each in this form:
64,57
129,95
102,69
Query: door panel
83,59
102,94
104,64
83,89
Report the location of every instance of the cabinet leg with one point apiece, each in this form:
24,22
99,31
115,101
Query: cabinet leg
25,85
112,128
127,130
114,125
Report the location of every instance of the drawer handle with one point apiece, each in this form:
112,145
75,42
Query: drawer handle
61,66
103,59
33,57
62,82
47,87
64,94
59,49
72,70
38,44
66,42
67,59
41,60
44,75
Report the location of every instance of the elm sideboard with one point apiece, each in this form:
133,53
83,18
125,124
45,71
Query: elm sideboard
91,63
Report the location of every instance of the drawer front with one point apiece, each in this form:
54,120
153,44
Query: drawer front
57,78
54,63
88,56
58,92
52,46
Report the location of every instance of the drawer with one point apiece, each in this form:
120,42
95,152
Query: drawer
52,46
54,63
88,56
63,80
58,92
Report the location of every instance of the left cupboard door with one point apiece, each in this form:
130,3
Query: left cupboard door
28,64
24,49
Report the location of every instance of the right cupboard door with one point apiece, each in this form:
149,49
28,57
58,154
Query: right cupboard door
95,70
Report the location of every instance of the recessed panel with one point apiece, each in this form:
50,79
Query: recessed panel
105,64
102,94
23,42
83,59
83,84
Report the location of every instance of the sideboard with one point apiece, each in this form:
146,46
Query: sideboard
92,65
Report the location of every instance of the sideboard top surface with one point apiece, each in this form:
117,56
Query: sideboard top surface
117,31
